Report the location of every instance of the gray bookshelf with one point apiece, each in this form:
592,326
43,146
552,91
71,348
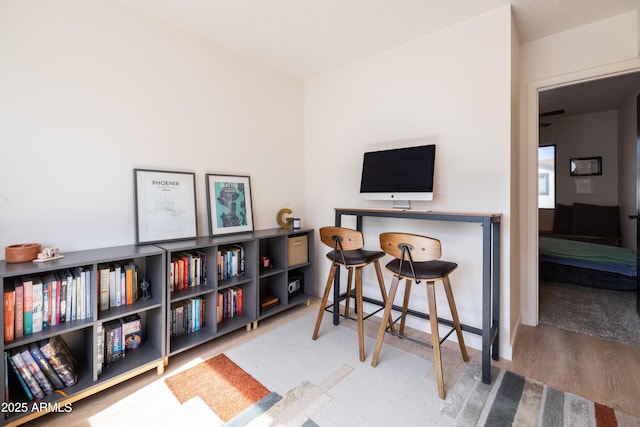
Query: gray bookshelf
81,335
255,282
154,264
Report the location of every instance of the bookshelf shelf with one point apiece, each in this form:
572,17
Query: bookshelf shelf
81,335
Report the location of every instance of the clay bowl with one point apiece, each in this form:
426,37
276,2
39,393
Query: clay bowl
22,252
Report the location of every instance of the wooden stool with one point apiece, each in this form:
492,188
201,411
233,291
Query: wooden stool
417,259
347,245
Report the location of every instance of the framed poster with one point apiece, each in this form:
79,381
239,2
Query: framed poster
165,205
229,204
585,166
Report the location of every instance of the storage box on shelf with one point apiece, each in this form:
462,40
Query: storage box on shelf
77,320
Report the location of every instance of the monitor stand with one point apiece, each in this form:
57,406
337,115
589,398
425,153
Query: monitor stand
401,204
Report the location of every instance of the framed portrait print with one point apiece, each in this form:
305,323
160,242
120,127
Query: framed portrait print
229,204
165,205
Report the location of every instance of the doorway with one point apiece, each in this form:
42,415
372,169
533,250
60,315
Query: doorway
611,100
529,229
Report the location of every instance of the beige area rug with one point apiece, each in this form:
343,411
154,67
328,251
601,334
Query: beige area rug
323,383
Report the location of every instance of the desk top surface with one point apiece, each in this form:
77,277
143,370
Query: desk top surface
408,213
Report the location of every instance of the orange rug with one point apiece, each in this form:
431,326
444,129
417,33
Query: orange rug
225,387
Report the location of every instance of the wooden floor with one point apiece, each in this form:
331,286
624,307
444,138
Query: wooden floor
602,371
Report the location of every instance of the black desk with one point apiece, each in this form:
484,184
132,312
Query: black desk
490,273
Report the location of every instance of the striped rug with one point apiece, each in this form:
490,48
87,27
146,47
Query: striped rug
513,400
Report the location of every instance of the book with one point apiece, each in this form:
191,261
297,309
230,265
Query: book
129,268
45,304
99,348
114,349
23,371
62,279
132,332
60,358
37,314
104,274
33,366
45,367
9,311
27,391
19,318
27,285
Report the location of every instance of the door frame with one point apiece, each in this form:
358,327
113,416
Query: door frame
529,163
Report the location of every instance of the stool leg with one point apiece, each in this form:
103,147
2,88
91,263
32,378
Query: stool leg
348,295
405,304
360,315
383,291
454,317
325,298
435,337
386,317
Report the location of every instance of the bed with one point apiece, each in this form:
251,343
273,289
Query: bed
583,249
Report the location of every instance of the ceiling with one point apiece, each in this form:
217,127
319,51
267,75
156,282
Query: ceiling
304,38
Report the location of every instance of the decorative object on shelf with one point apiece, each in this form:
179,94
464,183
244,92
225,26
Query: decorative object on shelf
165,205
145,290
282,221
295,224
21,252
583,166
266,262
48,254
229,204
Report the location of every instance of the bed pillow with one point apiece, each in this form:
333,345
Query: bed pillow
594,220
563,219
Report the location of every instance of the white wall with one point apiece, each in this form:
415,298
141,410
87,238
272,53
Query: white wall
585,135
91,90
591,51
453,89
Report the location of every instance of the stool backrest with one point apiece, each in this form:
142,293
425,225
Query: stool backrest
421,248
348,239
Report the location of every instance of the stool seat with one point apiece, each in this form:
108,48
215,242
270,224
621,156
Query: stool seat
428,270
354,257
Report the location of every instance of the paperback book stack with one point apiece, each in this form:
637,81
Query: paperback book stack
187,316
188,269
38,302
119,336
118,284
231,262
229,303
41,368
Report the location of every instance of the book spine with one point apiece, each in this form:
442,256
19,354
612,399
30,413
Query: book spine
37,315
9,313
103,279
27,285
19,319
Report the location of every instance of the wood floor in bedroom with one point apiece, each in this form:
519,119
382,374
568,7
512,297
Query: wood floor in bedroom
603,371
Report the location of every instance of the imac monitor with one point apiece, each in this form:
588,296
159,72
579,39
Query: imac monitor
400,175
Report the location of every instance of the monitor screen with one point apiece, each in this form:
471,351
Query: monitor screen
400,174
